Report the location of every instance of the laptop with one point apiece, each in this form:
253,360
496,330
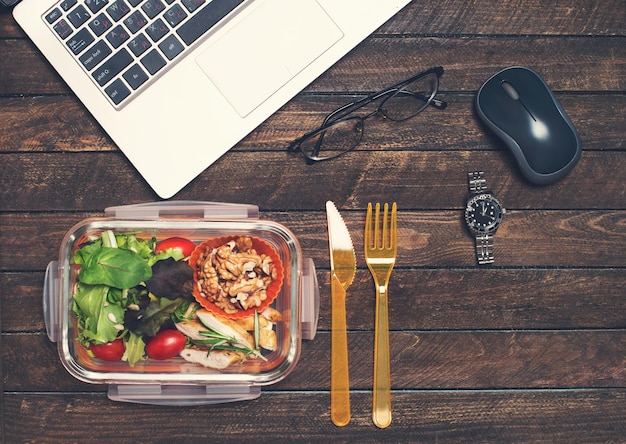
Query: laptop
177,83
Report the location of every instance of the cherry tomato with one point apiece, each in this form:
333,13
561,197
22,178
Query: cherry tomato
176,243
110,351
166,344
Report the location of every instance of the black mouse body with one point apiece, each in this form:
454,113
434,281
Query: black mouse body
518,106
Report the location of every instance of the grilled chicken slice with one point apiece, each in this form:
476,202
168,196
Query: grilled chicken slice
227,327
217,359
267,339
192,329
272,315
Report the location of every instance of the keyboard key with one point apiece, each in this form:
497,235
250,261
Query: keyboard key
192,5
79,41
118,10
53,15
96,5
152,8
135,76
175,15
78,16
67,4
205,19
135,21
157,30
153,61
171,47
100,25
63,28
123,43
117,91
139,44
112,67
96,54
117,36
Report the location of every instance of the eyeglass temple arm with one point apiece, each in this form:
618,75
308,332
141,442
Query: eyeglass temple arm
353,106
348,108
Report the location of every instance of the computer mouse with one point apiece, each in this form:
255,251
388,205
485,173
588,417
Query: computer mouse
517,104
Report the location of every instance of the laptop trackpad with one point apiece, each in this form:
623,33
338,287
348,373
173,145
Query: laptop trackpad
267,49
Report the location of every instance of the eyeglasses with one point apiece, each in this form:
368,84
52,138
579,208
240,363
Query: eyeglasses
342,131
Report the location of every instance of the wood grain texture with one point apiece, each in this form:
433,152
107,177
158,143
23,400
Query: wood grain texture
532,349
591,416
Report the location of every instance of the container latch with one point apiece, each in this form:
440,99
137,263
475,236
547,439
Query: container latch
185,209
182,395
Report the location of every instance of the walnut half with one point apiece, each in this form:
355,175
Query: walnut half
234,276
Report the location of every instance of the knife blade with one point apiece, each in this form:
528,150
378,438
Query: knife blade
343,269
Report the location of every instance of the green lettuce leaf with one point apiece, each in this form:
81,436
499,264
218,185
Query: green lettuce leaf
115,267
135,349
98,320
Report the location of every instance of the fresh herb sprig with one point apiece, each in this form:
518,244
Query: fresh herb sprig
219,341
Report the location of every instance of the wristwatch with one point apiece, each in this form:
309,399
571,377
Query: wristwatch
483,215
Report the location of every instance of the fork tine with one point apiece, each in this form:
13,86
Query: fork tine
394,228
368,226
383,228
384,233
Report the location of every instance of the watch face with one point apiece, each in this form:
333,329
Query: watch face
483,214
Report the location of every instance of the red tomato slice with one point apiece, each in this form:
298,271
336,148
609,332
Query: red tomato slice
181,244
166,344
110,351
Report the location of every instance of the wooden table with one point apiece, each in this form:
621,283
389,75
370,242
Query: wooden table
532,348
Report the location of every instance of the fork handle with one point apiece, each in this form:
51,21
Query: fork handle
339,375
381,409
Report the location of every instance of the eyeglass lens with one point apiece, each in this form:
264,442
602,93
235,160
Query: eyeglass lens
411,99
335,139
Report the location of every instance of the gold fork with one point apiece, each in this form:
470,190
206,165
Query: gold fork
380,255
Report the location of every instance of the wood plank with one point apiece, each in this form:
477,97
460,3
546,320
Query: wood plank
422,180
590,416
426,238
510,18
477,359
61,124
426,299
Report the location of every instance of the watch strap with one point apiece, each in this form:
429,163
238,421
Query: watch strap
477,182
484,249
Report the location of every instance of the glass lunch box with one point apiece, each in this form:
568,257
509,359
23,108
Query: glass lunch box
176,381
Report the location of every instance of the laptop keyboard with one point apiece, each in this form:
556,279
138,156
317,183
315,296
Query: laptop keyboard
122,44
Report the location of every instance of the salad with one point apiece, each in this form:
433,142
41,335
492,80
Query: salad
134,300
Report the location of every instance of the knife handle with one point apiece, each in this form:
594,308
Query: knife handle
381,413
339,376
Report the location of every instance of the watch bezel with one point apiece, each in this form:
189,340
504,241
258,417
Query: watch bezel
498,219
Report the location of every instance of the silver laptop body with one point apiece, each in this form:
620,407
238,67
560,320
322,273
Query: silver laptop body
211,87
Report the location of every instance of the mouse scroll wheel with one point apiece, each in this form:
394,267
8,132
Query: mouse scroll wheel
510,90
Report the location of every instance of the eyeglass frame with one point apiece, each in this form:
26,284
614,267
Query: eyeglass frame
344,112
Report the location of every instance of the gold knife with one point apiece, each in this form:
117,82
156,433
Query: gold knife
343,269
